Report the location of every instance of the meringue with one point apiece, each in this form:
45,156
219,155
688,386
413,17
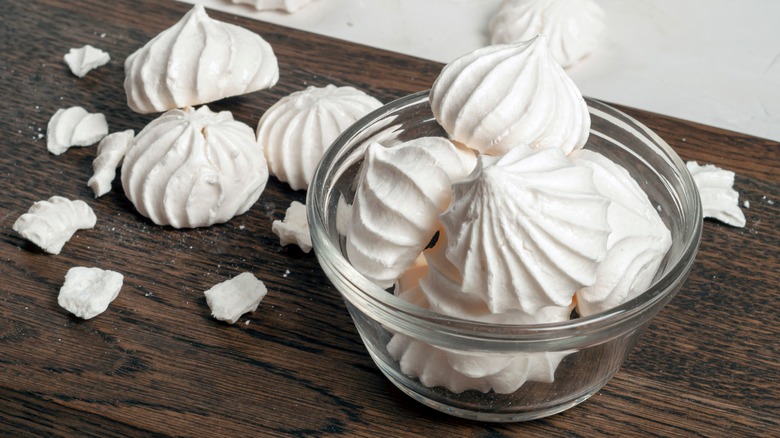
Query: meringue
296,130
194,168
574,28
197,61
74,126
294,229
382,239
719,200
433,367
507,95
87,292
51,223
282,5
527,230
234,297
110,152
638,241
85,59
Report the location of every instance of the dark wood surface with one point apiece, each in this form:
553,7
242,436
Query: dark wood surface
156,363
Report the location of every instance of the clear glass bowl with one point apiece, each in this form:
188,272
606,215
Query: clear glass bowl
593,348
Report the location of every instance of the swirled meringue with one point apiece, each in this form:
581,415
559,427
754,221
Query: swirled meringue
383,239
526,230
573,28
110,152
74,126
51,223
637,244
296,130
191,168
506,95
197,61
719,200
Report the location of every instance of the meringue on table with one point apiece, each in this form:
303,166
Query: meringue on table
194,168
295,131
197,61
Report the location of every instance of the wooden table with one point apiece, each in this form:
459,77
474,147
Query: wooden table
157,363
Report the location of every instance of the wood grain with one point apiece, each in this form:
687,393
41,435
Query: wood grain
155,363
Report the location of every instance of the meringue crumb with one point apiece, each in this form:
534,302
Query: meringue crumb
746,204
85,59
87,292
294,229
716,189
234,297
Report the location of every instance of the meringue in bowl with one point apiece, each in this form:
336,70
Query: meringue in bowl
491,370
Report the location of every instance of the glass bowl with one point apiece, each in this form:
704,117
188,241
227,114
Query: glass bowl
588,351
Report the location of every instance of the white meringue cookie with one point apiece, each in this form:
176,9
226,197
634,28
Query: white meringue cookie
637,244
526,230
191,168
110,152
383,239
297,129
74,126
51,223
502,96
281,5
574,28
719,200
197,61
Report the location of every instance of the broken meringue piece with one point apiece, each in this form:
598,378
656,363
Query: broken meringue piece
383,239
110,152
508,95
197,61
234,297
295,131
526,230
87,292
85,59
281,5
194,168
637,244
719,200
574,28
74,126
51,223
294,229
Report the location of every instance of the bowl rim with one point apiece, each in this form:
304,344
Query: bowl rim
399,315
